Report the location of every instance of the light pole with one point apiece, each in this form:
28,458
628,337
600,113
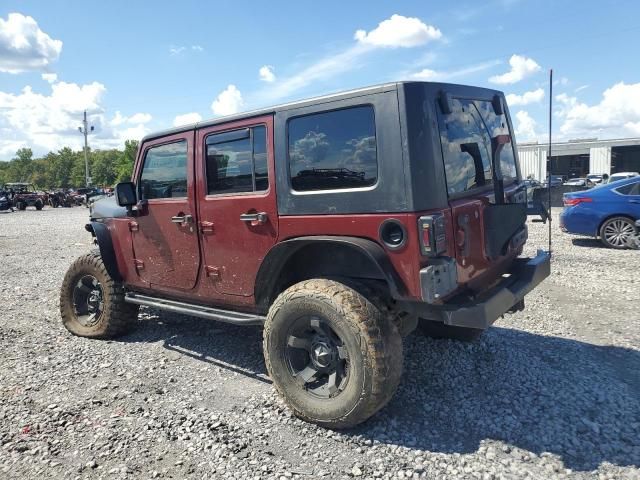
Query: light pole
85,131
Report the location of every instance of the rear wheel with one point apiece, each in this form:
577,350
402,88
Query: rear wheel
435,329
39,205
92,303
616,232
332,355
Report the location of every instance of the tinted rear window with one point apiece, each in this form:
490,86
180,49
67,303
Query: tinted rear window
465,148
465,136
333,150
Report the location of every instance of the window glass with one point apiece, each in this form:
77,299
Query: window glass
333,150
497,125
260,158
465,150
164,174
629,189
235,160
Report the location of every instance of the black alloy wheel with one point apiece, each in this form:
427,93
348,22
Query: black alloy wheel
317,357
88,301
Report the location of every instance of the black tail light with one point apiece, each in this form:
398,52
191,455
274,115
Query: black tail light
433,236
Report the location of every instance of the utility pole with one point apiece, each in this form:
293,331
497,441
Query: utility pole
85,131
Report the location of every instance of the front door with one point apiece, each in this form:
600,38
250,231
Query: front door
237,201
165,237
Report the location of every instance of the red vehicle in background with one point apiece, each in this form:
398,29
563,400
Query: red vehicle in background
24,195
340,223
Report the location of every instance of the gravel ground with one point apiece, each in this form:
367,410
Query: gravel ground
551,392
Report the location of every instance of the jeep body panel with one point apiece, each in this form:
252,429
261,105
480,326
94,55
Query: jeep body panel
233,249
221,259
167,254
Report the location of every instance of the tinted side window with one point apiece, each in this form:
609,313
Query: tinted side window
629,189
164,174
237,161
333,150
497,125
467,158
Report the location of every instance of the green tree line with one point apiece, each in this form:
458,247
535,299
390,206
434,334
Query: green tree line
66,168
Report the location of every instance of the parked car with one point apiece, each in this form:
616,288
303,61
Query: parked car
576,182
608,212
614,177
337,222
5,203
25,195
594,178
556,181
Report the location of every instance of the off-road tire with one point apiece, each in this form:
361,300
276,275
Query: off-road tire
435,329
117,317
612,221
39,205
373,343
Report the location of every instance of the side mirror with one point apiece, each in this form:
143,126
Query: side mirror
126,194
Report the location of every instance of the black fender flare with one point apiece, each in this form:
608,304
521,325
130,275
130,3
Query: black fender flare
105,244
279,255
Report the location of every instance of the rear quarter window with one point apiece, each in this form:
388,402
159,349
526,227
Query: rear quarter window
333,150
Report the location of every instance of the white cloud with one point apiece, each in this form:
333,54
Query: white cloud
178,50
439,76
50,121
534,96
228,102
521,67
50,77
266,74
398,31
617,114
24,47
526,127
186,119
139,118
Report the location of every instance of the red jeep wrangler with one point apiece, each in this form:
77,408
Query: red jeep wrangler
336,222
25,195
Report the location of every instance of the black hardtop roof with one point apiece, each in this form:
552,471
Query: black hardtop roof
385,87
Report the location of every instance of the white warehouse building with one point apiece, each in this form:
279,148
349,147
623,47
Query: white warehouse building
578,158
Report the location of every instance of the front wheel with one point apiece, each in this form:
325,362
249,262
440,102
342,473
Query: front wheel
616,232
92,303
332,355
39,205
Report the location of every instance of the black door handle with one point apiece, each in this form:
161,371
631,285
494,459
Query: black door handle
254,218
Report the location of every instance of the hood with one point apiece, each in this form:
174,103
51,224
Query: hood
106,208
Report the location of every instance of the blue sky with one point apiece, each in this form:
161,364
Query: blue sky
136,66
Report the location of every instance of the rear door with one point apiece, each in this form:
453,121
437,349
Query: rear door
237,202
465,135
165,241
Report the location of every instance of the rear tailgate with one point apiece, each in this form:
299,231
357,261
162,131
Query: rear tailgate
488,234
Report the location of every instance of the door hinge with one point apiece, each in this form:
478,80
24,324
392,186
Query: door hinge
206,227
213,272
139,264
133,226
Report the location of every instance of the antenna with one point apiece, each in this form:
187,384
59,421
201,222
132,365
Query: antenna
549,151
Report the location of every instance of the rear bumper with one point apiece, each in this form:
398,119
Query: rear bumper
525,275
